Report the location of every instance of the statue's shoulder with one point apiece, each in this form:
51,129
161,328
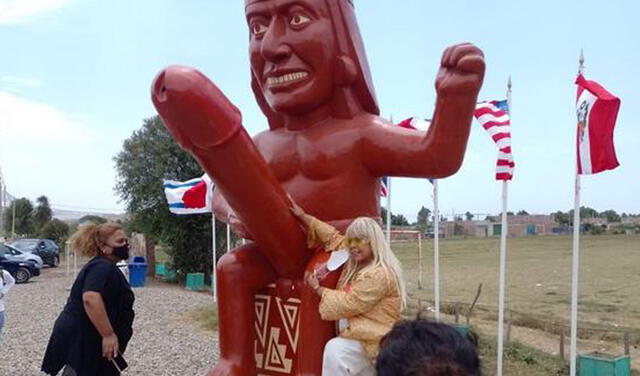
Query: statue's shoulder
367,120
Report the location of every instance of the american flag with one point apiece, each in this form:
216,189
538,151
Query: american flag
494,118
384,190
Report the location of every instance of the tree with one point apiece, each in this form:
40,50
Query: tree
24,217
457,218
55,230
469,216
562,218
611,216
383,214
399,220
147,157
42,214
586,212
423,217
522,212
92,218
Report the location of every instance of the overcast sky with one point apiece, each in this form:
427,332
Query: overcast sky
75,78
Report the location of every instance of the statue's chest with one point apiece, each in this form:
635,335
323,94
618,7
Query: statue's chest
315,157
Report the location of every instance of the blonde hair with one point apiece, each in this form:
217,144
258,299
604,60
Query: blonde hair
90,236
368,229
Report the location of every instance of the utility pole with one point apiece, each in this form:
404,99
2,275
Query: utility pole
13,222
2,203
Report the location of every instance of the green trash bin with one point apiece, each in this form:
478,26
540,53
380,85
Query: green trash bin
599,364
161,270
195,281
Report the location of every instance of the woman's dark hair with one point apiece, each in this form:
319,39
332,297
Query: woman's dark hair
422,347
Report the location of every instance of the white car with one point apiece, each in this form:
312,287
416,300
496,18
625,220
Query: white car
13,254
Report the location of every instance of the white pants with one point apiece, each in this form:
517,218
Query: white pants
345,357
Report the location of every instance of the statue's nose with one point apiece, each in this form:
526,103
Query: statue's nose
274,46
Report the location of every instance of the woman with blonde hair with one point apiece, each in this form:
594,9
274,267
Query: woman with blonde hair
368,298
93,330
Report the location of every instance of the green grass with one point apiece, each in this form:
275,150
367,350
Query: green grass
538,275
519,359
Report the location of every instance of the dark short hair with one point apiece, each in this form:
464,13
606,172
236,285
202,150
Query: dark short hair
422,347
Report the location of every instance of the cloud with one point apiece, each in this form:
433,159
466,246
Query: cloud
46,151
21,81
23,119
17,11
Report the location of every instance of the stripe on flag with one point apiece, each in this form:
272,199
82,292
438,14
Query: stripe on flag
190,197
384,190
494,118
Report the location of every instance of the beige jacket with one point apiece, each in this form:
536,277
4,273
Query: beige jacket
371,303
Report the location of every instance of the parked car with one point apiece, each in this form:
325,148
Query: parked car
22,271
47,249
14,254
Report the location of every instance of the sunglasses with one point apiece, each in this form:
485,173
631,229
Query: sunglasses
351,243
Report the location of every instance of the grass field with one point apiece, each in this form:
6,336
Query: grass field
538,289
538,275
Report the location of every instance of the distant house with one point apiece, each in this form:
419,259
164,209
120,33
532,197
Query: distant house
519,225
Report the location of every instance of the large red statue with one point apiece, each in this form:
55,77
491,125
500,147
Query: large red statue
326,147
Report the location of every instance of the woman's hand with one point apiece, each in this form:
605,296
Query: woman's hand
314,283
322,272
110,346
295,208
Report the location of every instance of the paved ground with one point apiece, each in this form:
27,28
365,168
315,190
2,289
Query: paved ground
164,341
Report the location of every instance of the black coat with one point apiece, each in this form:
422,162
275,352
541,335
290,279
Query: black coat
75,340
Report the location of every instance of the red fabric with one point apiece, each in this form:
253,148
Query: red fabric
602,121
196,197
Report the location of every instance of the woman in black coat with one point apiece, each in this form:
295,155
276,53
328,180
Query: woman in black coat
96,323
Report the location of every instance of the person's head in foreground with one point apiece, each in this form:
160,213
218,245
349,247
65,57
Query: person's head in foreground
106,239
368,247
422,347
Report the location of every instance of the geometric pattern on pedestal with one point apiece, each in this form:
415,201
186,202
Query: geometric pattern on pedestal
277,325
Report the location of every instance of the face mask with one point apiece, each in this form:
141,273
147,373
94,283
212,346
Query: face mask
121,252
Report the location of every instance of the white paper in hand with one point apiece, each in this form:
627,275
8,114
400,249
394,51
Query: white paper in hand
336,259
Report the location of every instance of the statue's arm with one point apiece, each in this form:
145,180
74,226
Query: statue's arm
439,152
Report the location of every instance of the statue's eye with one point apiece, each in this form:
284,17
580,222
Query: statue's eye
299,19
258,28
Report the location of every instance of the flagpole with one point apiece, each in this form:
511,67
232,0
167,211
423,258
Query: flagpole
503,256
214,272
576,258
228,237
436,251
389,211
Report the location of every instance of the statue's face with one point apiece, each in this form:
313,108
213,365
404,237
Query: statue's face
292,53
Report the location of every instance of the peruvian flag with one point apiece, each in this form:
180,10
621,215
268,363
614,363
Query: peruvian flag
597,110
189,197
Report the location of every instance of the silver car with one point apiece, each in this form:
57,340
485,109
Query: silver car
13,254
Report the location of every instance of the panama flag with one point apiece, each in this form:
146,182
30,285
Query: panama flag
190,197
597,110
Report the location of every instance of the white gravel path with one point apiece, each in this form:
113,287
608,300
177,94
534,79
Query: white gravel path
164,342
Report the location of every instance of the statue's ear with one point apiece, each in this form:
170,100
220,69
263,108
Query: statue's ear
346,71
345,102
